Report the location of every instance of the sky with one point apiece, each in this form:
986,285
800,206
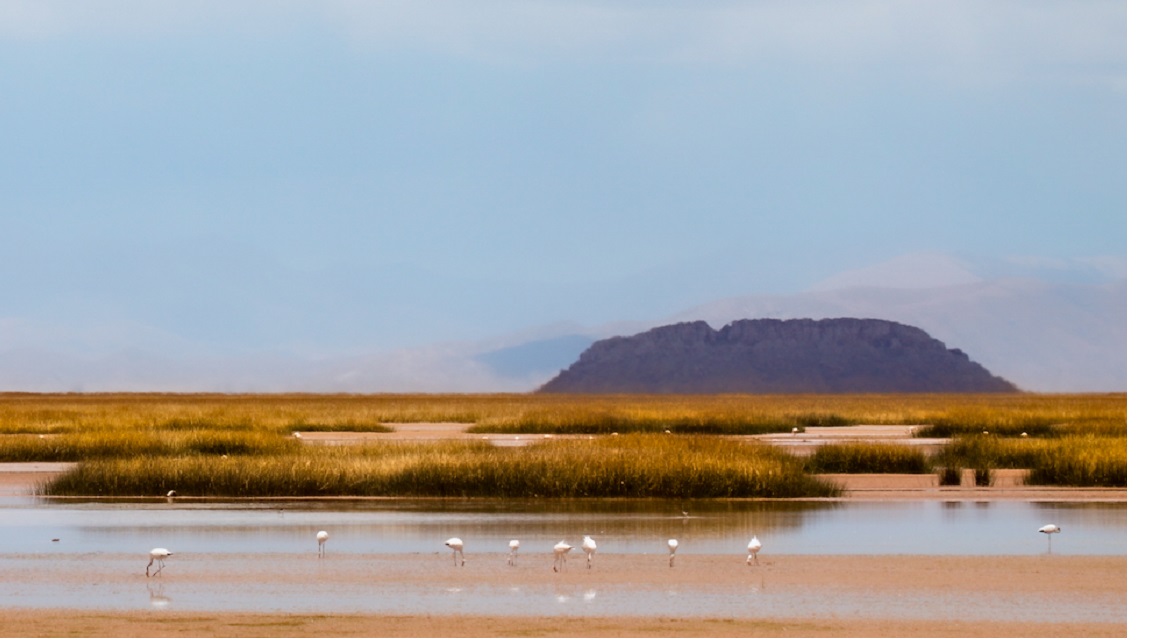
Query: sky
351,178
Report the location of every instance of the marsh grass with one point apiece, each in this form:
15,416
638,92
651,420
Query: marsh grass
1041,416
74,447
867,458
633,466
1073,460
199,429
1081,461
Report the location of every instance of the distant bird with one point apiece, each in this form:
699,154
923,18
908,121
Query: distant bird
321,538
589,548
172,493
157,555
296,435
753,548
794,430
513,552
561,554
672,545
1049,529
457,546
1023,435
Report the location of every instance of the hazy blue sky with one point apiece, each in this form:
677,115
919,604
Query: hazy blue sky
315,177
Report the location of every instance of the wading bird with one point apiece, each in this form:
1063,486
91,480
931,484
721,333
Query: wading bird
1049,529
321,538
753,548
589,548
513,552
561,554
672,545
457,546
157,555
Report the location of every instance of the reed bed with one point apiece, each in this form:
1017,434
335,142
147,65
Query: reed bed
1036,415
199,429
1073,460
629,466
74,447
945,414
867,458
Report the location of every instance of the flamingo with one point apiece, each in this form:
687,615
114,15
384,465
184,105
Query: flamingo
513,552
457,546
321,538
561,554
753,548
1049,529
672,545
589,548
157,555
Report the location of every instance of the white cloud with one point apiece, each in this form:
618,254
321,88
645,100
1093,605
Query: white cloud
984,40
913,271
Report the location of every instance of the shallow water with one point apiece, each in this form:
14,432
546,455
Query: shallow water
370,527
229,542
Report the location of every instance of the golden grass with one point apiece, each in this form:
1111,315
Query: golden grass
631,466
284,413
113,428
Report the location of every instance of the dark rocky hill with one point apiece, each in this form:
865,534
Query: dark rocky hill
842,355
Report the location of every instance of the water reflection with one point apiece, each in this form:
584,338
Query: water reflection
156,596
619,526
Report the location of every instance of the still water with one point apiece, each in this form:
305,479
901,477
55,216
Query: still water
254,556
374,527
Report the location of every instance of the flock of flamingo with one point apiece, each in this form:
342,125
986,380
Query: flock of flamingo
559,551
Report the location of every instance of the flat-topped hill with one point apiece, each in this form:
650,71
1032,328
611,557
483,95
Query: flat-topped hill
842,355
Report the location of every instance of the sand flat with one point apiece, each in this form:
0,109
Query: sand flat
799,596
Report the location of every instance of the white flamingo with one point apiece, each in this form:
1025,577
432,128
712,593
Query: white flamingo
1049,529
672,545
157,555
561,554
513,552
321,538
589,548
457,546
753,548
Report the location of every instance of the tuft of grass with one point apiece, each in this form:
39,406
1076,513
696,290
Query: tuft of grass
983,476
950,476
